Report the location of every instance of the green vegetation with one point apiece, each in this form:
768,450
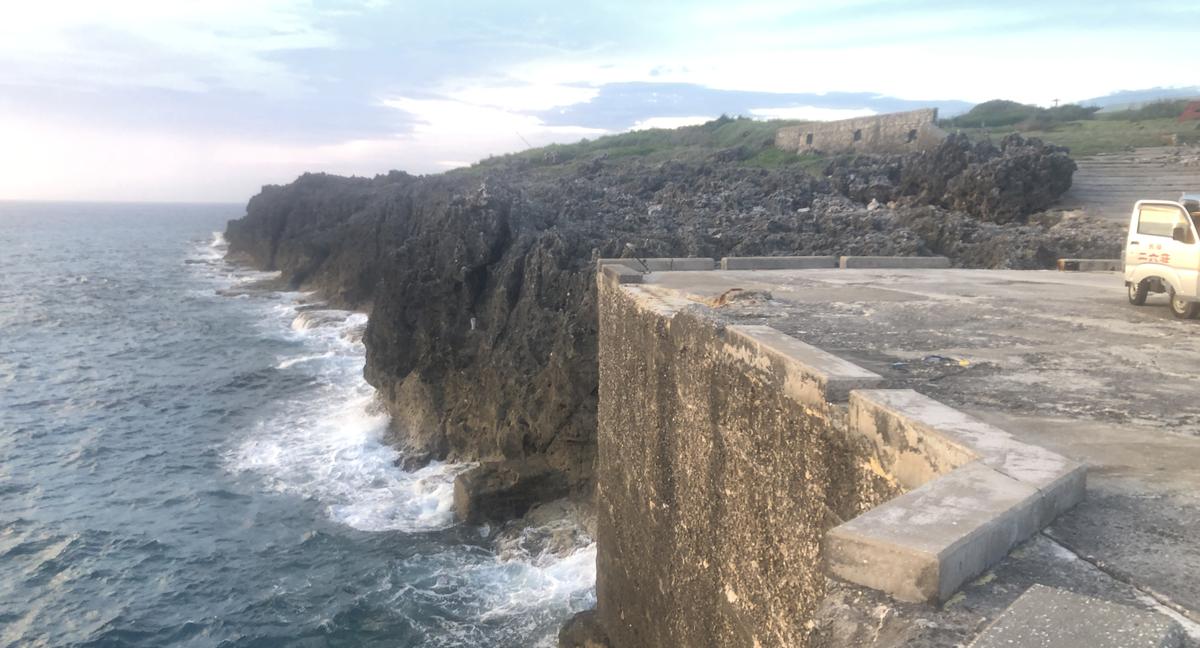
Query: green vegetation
749,141
999,113
1085,133
1166,109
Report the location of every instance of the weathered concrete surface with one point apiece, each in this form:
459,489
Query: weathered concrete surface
719,472
917,436
894,262
923,545
778,262
1045,617
810,375
1059,360
976,493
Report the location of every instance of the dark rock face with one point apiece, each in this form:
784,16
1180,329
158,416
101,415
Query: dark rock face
503,490
583,631
482,335
1000,184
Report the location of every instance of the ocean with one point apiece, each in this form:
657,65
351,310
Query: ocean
185,462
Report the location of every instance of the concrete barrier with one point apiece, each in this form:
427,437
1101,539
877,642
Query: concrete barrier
662,264
923,545
1090,265
975,493
894,262
813,376
618,274
949,437
778,263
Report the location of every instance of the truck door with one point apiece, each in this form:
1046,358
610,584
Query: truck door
1165,237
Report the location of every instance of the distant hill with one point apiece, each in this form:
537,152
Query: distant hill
1127,99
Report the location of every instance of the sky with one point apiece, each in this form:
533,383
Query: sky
208,100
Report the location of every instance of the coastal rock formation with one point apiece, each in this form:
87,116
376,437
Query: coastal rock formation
1000,184
482,335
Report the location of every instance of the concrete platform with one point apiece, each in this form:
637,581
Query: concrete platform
1058,360
1045,617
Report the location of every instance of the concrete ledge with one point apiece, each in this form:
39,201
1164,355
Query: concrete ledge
1045,617
616,274
924,438
661,264
778,263
894,262
923,545
813,377
976,492
1090,265
906,447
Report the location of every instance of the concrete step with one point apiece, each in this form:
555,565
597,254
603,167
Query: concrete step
1045,617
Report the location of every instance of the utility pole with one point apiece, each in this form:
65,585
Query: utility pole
1056,103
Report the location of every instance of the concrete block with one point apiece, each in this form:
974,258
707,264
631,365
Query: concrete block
778,263
1090,265
662,264
616,275
921,435
1045,617
923,545
812,376
894,262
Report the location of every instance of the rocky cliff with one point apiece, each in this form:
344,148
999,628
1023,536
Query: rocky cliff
482,337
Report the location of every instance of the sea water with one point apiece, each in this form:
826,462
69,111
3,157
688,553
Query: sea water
186,462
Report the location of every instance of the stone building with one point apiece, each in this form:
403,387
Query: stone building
890,133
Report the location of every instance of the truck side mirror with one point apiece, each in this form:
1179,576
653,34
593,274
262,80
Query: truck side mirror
1180,234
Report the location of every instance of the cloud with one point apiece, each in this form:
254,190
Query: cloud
810,113
245,91
671,122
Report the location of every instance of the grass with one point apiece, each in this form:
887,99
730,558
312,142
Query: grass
1090,137
752,140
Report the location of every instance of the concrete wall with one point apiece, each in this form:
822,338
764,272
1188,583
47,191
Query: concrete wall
891,133
721,466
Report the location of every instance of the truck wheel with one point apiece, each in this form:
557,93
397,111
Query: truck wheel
1138,292
1183,309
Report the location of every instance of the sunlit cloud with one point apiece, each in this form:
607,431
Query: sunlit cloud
670,122
208,99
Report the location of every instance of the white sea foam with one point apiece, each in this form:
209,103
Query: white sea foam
291,362
501,601
329,445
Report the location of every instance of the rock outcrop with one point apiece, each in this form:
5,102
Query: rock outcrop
482,335
1000,184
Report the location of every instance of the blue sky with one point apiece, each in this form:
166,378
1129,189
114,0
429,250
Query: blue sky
208,100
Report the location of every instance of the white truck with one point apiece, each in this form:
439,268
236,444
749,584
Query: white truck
1162,253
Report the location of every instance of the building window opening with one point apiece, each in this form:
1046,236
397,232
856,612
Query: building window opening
858,135
912,136
808,139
